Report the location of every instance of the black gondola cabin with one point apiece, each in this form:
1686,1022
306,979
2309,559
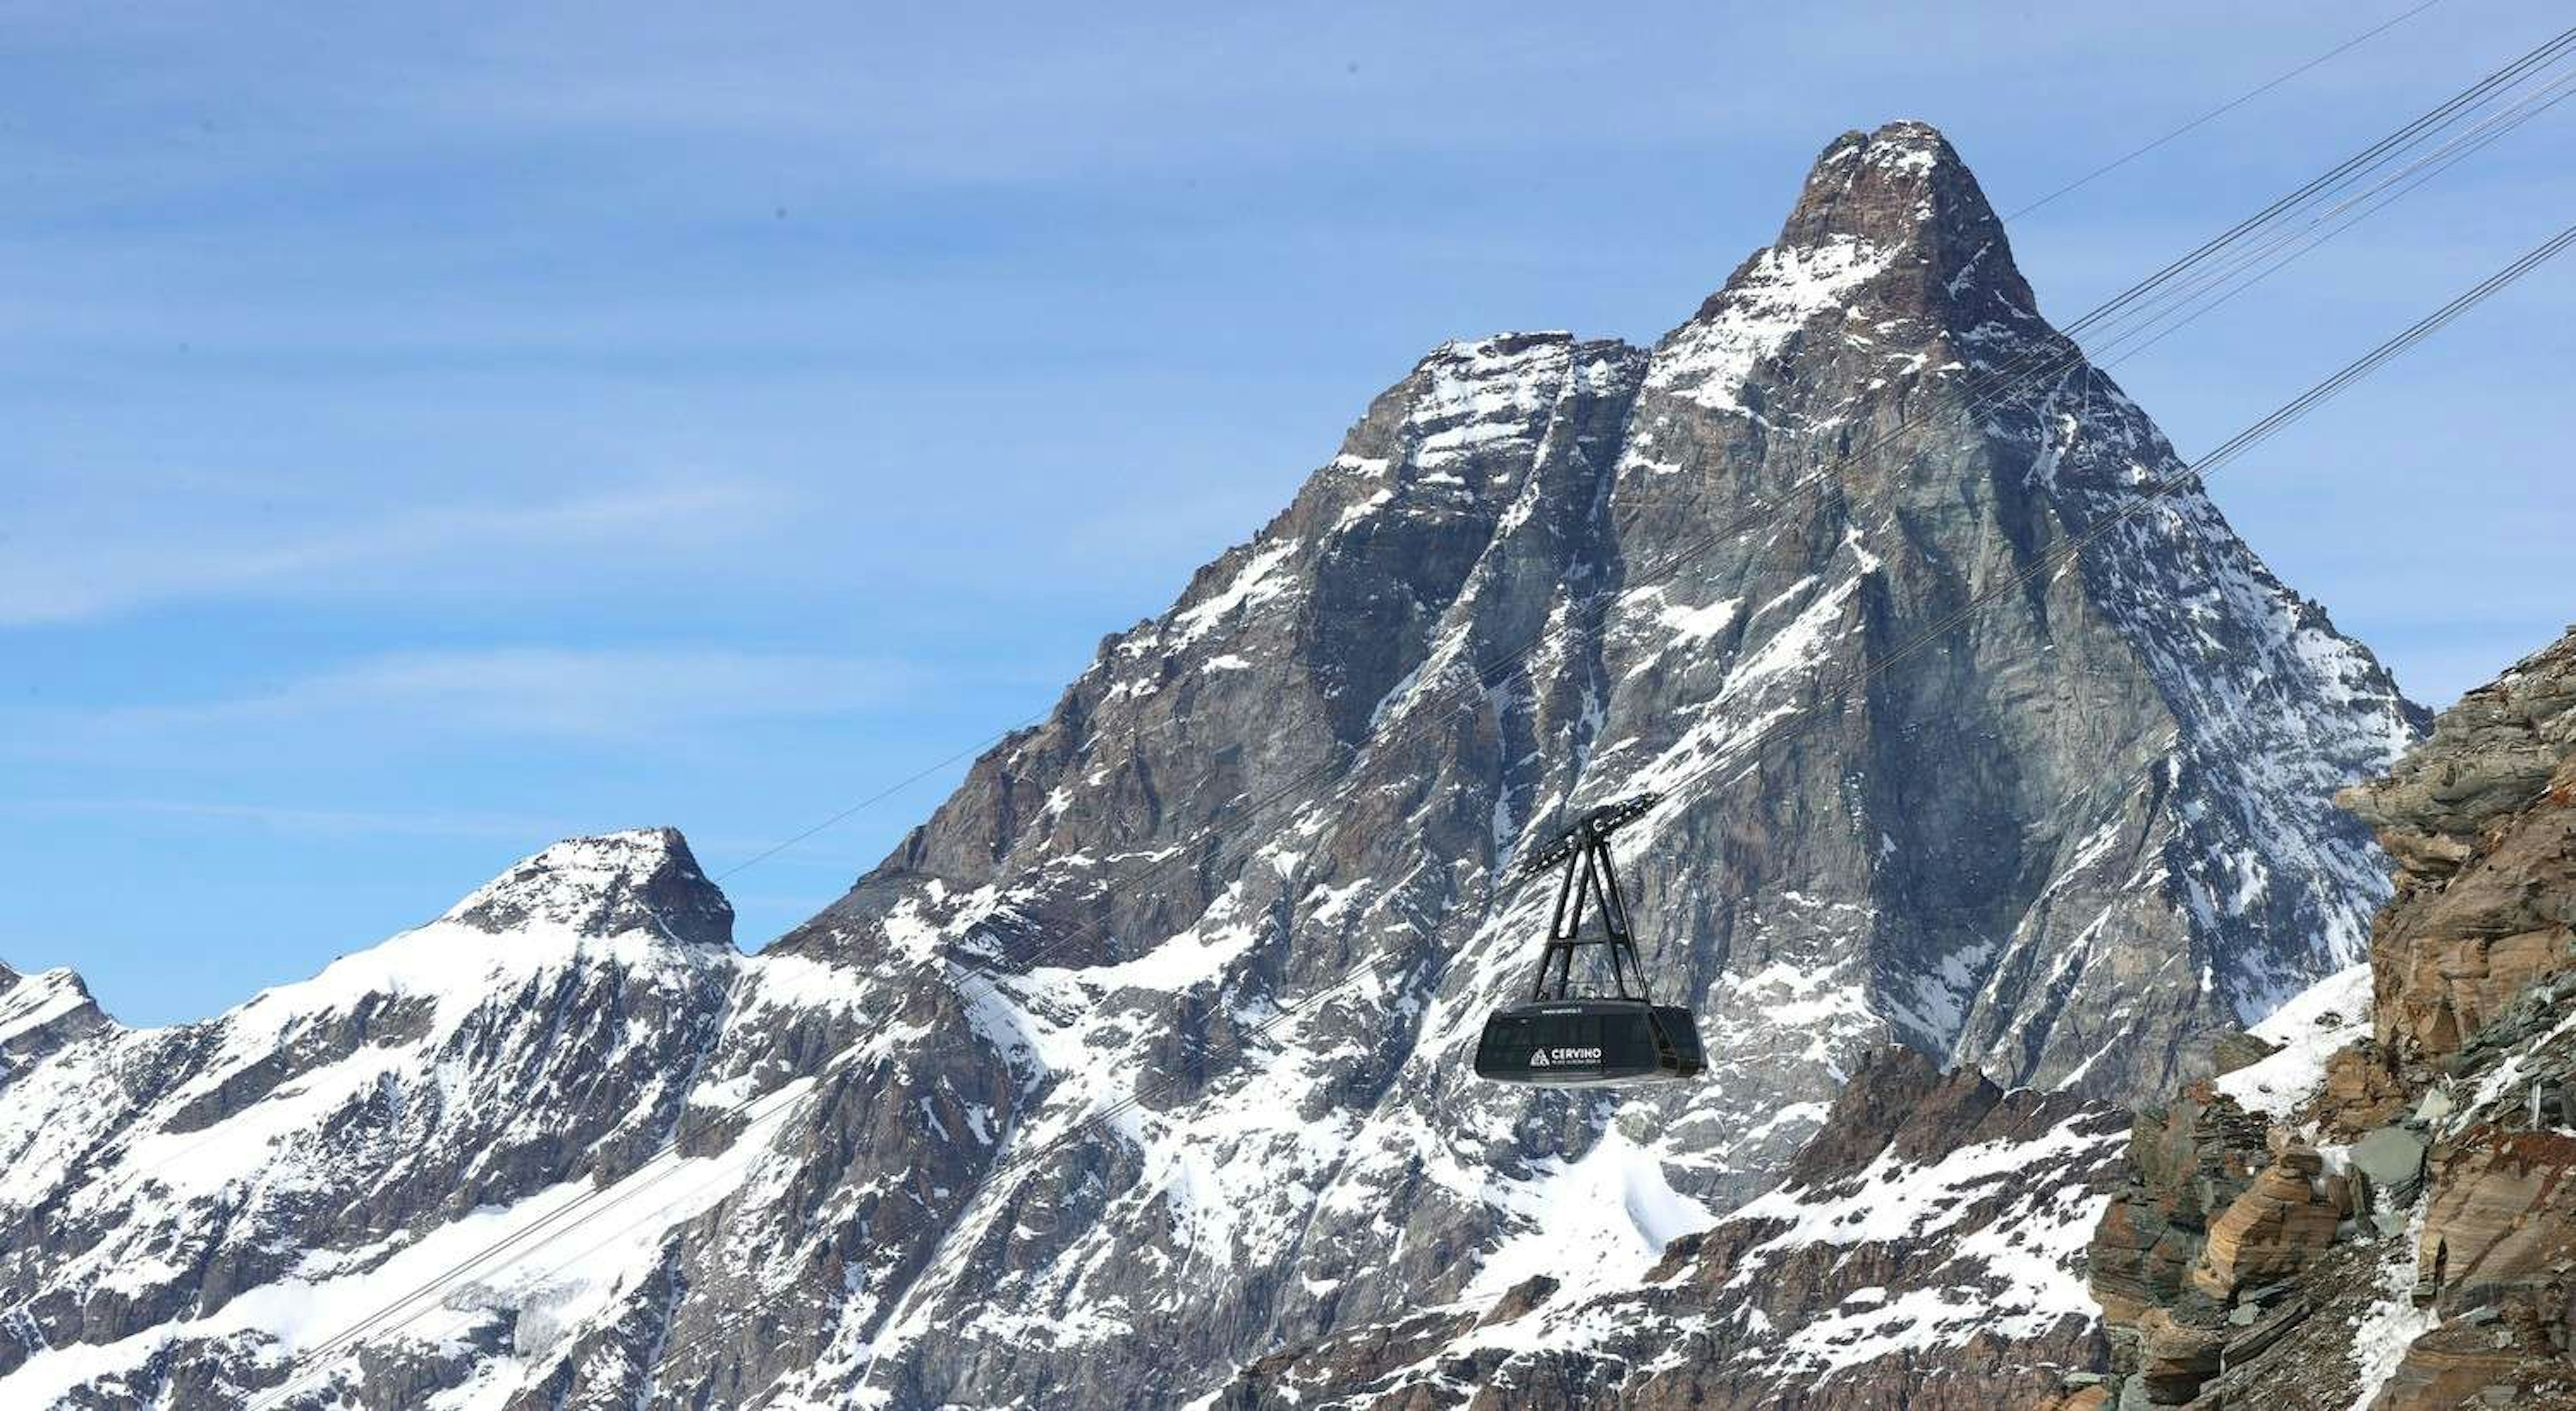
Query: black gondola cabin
1561,1038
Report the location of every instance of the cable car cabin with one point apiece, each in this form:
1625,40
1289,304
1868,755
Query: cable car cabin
1563,1037
1589,1043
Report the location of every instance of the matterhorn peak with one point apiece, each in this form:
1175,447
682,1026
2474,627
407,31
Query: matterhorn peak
641,879
1896,210
1891,187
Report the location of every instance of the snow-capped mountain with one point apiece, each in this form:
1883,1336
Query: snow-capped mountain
1237,897
40,1013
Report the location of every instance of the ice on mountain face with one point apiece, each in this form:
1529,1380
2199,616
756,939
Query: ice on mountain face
1709,360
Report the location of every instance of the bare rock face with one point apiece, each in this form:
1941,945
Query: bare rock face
2413,1244
1146,1056
2486,879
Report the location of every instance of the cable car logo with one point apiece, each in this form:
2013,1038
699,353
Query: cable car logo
1549,1057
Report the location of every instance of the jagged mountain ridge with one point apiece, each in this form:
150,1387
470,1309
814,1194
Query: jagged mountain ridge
2081,836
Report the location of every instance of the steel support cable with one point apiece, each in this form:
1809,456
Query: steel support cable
2323,225
2468,101
2138,340
2222,110
2320,240
2072,355
2548,52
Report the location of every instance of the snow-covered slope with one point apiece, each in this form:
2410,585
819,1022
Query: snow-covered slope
1924,1251
1235,898
186,1207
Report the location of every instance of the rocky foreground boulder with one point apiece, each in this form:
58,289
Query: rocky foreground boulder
2381,1210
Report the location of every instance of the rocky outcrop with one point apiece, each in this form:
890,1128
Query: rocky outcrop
2478,821
2190,1161
2419,1254
1146,1055
2272,1229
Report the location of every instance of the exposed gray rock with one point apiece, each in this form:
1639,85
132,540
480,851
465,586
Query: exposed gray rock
2393,1159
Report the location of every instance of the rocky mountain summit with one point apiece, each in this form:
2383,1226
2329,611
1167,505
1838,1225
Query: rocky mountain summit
2382,1210
1145,1057
41,1013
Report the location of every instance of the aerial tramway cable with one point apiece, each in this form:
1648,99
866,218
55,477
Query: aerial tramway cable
2222,110
757,1110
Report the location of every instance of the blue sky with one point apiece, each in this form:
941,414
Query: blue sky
435,430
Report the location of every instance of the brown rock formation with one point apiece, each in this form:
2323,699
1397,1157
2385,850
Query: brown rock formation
2361,1091
2479,820
2271,1230
2502,1215
2187,1161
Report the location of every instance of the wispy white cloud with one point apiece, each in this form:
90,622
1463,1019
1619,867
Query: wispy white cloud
325,822
614,695
76,559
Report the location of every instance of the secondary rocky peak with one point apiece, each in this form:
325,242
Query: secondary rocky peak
642,879
40,1013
